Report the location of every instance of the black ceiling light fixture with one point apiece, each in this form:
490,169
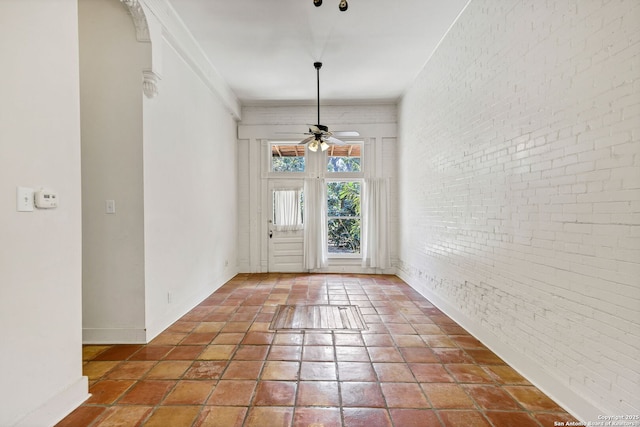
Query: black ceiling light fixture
343,5
320,136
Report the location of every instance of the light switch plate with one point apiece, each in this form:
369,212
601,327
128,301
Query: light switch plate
24,199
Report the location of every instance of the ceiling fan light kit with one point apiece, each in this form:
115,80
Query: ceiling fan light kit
343,5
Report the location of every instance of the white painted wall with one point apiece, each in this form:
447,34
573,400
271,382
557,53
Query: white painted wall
190,194
40,251
520,192
261,123
111,64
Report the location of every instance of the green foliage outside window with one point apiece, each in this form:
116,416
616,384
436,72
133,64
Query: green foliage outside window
343,205
287,164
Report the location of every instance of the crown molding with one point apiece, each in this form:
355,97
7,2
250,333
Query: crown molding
139,19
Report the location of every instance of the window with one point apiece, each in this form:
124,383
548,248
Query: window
287,209
344,158
343,217
287,157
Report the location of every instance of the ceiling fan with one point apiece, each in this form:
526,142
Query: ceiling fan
320,135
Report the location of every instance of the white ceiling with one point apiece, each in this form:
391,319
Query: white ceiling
265,49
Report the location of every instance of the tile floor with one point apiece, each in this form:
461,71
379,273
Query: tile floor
220,365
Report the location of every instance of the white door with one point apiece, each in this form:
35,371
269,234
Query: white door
286,236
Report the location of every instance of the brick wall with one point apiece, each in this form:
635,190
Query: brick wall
520,190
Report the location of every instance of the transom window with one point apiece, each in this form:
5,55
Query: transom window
287,157
344,158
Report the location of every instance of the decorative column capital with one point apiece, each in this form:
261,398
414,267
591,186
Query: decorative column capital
139,19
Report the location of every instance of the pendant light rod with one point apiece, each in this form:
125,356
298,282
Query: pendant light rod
318,65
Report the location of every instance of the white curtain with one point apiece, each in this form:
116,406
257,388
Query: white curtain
375,211
286,210
315,224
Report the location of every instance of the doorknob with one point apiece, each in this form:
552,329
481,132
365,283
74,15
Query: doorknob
270,234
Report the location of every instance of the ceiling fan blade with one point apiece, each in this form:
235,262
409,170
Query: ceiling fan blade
346,133
332,140
304,141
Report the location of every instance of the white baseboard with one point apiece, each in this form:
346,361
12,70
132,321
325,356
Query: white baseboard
59,406
569,399
114,336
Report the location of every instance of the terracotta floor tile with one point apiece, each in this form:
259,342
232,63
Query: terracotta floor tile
236,327
491,397
467,341
318,393
118,416
318,353
205,370
174,416
318,338
91,351
82,416
217,352
418,355
258,338
185,352
366,417
182,326
243,370
409,341
447,396
232,393
393,372
318,371
147,392
414,417
156,352
554,418
228,338
285,338
484,357
356,371
97,369
435,341
348,339
201,338
222,416
430,373
404,395
469,373
130,370
118,352
452,355
532,399
378,340
400,328
189,392
265,416
108,391
428,329
504,374
275,393
279,370
384,354
317,417
285,352
466,419
251,352
167,370
205,327
362,394
168,338
352,354
510,419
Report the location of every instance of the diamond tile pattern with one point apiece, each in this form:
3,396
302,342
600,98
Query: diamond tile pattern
221,365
